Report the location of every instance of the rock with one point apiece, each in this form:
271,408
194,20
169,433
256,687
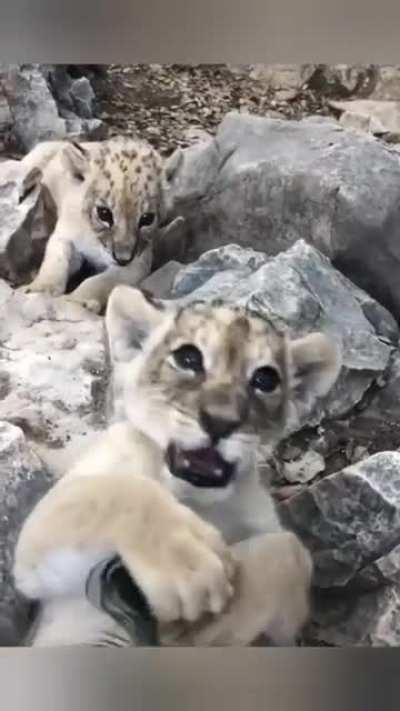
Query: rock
83,97
24,227
300,291
349,519
5,119
233,259
23,481
264,183
92,71
44,106
378,413
33,108
387,87
285,80
74,95
53,372
305,468
76,101
383,571
384,405
375,82
160,282
371,619
85,129
377,117
344,80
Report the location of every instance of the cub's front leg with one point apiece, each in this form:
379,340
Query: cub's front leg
180,562
93,293
272,596
58,263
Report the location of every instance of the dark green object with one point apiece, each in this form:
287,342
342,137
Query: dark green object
111,589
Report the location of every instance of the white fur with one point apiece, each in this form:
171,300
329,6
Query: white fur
71,621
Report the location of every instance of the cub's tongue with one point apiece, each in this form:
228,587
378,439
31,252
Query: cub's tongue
201,467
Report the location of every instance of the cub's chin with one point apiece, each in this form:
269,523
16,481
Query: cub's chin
204,468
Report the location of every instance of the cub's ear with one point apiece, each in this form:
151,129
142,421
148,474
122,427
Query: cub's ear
131,316
76,159
315,364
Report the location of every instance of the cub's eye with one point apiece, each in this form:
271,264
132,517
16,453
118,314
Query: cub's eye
265,379
147,219
105,215
189,357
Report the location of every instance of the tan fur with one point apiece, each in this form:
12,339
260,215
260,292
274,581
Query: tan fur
122,497
124,175
179,561
271,596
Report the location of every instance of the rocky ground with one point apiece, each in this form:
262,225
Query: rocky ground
173,105
290,204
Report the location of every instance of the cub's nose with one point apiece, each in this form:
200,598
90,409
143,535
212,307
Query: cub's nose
216,426
123,255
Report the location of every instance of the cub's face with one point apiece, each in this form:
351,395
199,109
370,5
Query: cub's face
121,182
205,381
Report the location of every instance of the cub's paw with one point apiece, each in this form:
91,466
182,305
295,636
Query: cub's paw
42,287
92,305
272,597
186,571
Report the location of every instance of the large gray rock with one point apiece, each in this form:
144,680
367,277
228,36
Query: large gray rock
72,94
284,80
53,371
377,117
346,80
349,519
159,282
299,290
24,226
5,120
35,113
367,620
23,481
33,108
373,81
383,571
265,183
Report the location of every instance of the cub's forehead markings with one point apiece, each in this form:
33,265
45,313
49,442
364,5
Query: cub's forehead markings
216,312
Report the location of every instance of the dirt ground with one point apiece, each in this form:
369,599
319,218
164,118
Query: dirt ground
171,105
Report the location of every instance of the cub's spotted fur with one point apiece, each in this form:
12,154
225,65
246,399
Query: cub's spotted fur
172,486
110,200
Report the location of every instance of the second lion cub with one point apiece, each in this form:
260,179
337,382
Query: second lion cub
110,199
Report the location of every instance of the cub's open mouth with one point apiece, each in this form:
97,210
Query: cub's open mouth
201,467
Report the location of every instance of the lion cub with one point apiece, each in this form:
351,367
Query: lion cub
173,484
110,199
